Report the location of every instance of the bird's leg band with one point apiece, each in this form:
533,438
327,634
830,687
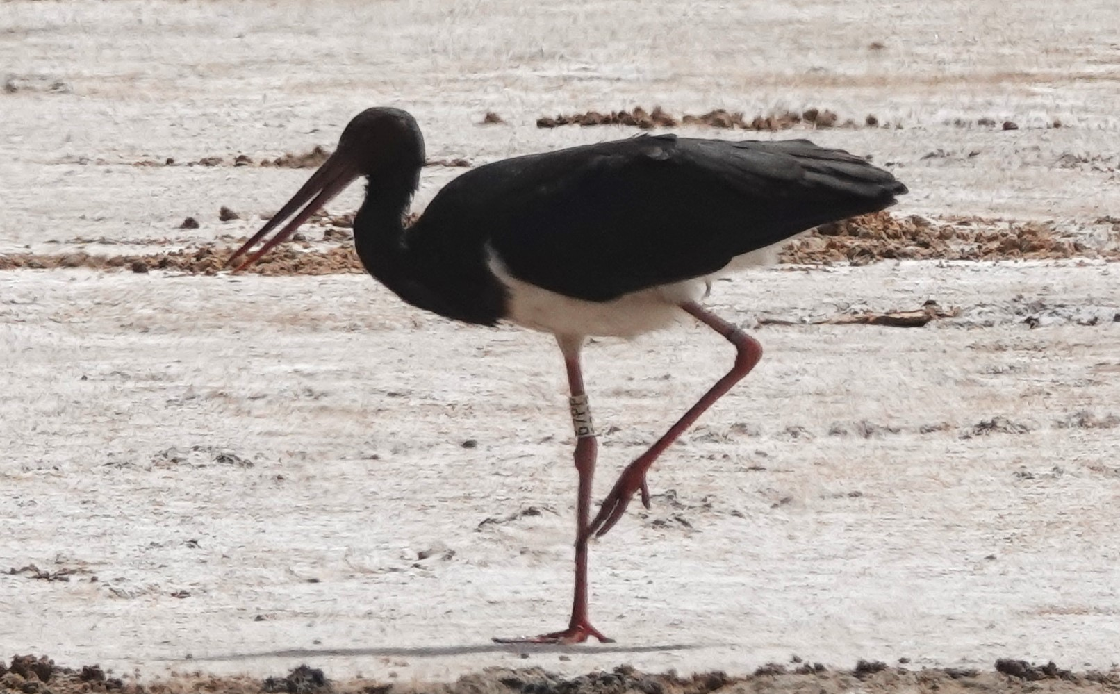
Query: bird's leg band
581,417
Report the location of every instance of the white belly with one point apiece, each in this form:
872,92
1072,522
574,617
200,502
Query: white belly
627,316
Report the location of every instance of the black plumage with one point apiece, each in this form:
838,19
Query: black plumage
599,221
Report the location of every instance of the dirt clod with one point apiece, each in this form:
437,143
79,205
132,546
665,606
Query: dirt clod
996,425
301,680
492,118
189,223
772,669
1026,671
28,666
92,673
227,215
306,160
866,668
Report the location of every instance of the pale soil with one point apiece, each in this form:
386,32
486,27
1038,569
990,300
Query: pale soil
283,449
250,467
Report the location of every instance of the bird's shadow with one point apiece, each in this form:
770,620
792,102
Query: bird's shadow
443,651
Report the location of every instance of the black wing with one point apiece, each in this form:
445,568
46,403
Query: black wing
603,220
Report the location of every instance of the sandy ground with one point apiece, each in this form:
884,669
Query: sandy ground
240,474
250,469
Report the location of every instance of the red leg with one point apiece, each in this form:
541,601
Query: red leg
579,627
633,478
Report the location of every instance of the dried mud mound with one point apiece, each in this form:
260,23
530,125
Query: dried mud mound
638,117
28,675
883,236
858,241
288,259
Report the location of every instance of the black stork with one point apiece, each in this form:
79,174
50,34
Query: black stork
610,239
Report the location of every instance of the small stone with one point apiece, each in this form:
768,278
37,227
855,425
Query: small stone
189,223
470,443
139,267
227,215
1010,125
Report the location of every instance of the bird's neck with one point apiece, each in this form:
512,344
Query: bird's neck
428,268
379,232
379,237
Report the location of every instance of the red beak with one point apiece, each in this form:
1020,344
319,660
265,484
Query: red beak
333,176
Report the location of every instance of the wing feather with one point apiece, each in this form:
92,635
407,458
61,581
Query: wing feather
599,221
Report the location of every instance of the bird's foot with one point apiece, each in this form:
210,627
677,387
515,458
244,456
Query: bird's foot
578,632
633,479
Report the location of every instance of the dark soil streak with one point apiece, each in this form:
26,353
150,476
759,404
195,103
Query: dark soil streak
858,241
29,674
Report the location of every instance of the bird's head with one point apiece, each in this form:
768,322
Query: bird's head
382,144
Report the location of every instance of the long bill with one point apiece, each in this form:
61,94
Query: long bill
333,176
